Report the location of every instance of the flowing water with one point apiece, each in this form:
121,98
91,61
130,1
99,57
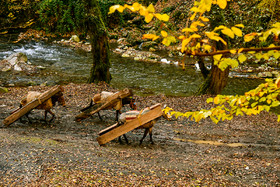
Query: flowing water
61,65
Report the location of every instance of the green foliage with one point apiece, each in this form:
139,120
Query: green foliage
62,16
66,16
270,7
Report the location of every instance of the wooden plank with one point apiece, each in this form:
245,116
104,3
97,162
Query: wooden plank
86,113
108,129
31,105
110,101
118,131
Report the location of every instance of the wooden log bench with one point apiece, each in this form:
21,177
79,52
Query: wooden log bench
31,105
111,100
114,131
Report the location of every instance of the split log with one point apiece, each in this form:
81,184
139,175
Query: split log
31,105
113,132
111,100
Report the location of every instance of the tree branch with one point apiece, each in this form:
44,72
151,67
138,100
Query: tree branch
228,51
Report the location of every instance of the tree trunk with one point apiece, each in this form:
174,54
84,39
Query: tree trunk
99,43
215,81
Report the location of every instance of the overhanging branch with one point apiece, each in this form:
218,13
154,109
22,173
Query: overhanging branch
228,51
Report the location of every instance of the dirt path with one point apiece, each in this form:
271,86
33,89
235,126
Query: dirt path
242,152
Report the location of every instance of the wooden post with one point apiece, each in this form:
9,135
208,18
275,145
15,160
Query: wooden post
31,105
129,126
110,101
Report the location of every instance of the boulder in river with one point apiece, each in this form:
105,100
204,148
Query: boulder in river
17,62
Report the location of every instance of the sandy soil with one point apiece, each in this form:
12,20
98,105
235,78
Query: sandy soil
242,152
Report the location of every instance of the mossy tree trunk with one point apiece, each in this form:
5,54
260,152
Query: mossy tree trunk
99,43
215,81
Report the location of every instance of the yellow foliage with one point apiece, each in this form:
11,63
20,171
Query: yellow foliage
239,25
203,19
242,58
228,32
151,8
236,31
112,9
164,34
162,17
150,36
148,17
249,37
168,40
222,3
187,30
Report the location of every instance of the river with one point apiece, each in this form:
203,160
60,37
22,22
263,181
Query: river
62,65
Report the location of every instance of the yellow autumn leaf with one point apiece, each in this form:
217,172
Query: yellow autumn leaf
204,19
265,56
278,119
242,58
240,50
187,30
184,43
207,47
220,28
276,25
151,8
258,56
276,55
236,31
112,9
150,36
210,100
195,36
217,57
168,40
182,37
222,3
136,6
162,17
195,9
4,32
148,17
216,100
228,32
239,25
249,37
193,16
164,33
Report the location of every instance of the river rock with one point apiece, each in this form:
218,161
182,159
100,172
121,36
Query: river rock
17,62
275,74
75,38
265,75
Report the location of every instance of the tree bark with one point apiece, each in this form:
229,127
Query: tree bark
215,81
99,43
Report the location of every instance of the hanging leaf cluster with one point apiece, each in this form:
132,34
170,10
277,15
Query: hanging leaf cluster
263,98
149,14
